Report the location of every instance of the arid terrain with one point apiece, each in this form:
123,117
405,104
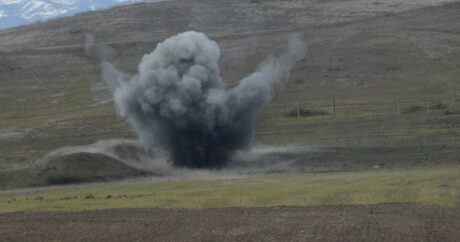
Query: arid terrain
361,143
389,222
365,57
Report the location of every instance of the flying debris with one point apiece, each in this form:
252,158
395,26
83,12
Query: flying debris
177,101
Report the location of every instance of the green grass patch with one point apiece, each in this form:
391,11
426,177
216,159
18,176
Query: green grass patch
439,186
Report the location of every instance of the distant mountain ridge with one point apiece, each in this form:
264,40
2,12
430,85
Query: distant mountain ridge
20,12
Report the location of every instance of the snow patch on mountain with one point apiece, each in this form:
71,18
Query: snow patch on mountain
20,12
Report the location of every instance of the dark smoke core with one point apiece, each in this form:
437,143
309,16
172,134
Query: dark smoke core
178,101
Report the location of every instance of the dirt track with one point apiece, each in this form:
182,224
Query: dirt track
328,223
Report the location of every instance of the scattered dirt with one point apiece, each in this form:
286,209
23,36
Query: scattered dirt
388,222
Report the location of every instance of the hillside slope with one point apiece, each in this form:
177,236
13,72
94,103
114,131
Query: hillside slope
375,59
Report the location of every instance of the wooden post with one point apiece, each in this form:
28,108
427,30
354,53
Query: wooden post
397,105
453,100
298,110
241,195
333,106
222,201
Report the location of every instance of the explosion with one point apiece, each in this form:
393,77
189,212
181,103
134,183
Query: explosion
177,101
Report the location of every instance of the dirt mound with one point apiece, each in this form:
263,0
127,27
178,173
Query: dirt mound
70,168
85,167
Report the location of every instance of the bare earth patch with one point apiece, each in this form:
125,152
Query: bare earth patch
388,222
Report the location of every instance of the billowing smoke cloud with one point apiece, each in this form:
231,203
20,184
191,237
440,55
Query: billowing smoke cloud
177,100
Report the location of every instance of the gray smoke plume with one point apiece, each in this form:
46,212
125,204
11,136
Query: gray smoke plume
177,100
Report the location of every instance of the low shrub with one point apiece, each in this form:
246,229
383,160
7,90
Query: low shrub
306,112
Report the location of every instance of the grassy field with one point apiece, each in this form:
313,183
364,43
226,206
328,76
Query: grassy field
438,186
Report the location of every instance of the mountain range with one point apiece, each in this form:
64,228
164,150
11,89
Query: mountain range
19,12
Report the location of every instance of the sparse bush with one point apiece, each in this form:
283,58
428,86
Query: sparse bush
306,112
75,31
414,109
438,106
450,112
67,198
89,196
